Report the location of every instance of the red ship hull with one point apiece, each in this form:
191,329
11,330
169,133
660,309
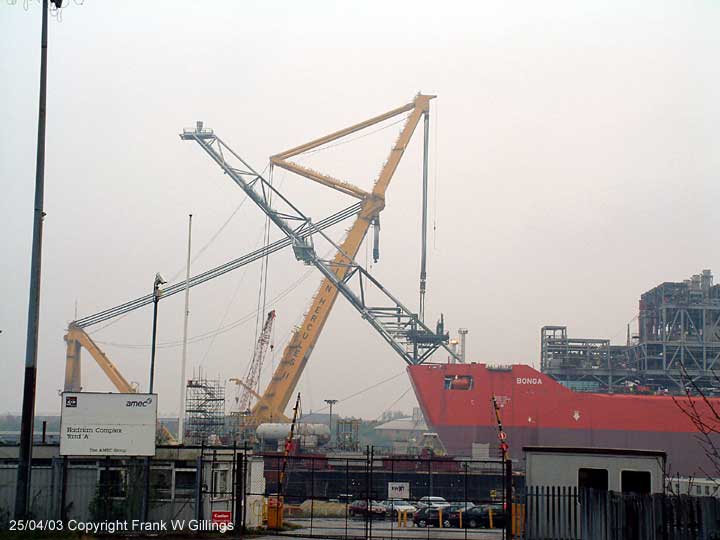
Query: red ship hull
456,400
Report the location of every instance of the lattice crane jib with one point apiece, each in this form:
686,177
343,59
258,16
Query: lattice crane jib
252,377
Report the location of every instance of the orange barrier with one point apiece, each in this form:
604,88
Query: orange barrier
402,516
275,512
518,520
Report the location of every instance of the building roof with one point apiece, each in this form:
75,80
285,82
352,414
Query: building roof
593,450
403,424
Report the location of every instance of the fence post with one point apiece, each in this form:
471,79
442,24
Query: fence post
372,493
233,482
367,489
63,489
245,488
198,488
508,499
575,502
107,501
238,492
312,493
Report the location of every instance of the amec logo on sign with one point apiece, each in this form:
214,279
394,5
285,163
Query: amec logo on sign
138,403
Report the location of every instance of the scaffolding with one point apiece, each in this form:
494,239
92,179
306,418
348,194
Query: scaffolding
204,410
678,340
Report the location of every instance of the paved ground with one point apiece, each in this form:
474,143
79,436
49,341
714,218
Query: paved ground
337,527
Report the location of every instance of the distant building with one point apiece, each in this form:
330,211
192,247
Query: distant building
404,429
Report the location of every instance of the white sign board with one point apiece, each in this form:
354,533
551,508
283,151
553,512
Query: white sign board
398,490
95,424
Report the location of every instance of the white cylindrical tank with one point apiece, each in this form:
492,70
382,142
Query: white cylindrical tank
278,431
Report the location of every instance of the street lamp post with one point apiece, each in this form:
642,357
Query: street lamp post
24,470
331,402
156,298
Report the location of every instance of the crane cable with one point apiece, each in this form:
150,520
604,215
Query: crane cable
393,403
367,389
220,330
199,253
341,142
264,263
229,266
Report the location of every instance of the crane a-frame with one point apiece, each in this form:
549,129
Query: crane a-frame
402,329
304,338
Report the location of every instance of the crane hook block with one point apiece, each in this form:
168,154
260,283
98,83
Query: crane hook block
376,239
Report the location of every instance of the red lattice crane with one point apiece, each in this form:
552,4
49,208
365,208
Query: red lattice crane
249,385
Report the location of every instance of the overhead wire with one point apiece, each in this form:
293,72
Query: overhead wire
222,320
346,141
262,289
220,330
215,235
137,303
199,253
367,389
436,160
389,407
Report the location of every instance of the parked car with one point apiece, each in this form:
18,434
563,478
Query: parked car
360,508
435,502
394,506
427,517
479,516
451,514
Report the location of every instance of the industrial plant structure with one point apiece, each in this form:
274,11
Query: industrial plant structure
677,345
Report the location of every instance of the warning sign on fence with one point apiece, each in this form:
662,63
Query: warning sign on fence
221,517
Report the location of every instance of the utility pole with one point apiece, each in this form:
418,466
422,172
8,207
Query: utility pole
181,414
331,402
28,407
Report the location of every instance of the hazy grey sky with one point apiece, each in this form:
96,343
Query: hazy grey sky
574,165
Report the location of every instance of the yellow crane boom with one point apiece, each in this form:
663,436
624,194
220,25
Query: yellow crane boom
297,352
76,338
